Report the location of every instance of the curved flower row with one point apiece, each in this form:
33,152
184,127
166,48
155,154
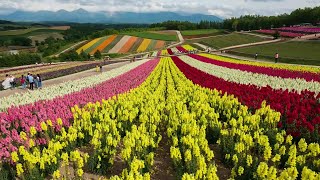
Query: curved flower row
300,112
21,118
64,88
290,67
283,73
249,78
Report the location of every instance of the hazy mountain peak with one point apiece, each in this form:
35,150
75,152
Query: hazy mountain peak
84,16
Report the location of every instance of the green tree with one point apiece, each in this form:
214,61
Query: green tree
97,54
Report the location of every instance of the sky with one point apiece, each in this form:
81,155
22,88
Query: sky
221,8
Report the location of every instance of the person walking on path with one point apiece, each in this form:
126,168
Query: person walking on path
23,82
256,56
100,68
31,81
39,80
12,81
276,57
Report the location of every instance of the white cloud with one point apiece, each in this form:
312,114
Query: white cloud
222,8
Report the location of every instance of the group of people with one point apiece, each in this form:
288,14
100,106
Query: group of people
10,82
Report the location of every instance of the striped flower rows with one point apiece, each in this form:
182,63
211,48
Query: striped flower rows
121,44
56,107
54,91
249,78
175,50
300,111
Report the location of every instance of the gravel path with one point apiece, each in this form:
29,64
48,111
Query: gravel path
63,79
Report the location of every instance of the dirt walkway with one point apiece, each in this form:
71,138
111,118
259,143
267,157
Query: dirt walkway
251,44
258,35
72,47
71,77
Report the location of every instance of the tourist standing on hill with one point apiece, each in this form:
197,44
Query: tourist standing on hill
256,56
100,68
35,81
6,83
276,57
31,81
39,79
23,82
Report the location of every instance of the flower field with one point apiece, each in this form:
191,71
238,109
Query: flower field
262,118
121,44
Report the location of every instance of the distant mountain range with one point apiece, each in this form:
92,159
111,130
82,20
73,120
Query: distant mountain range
83,16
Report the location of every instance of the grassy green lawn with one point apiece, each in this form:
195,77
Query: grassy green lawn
41,32
18,32
150,35
230,40
297,52
200,32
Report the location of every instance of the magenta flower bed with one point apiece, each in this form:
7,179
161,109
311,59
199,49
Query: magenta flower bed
284,34
303,30
261,70
180,48
21,118
300,112
170,51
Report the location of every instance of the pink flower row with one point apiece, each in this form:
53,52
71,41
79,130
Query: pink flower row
284,34
21,118
261,70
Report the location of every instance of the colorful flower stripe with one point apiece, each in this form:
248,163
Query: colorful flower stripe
103,45
152,45
261,70
136,45
300,112
169,51
265,64
86,46
128,45
144,45
120,44
188,47
43,70
160,44
95,45
112,44
181,49
23,117
63,88
19,68
248,78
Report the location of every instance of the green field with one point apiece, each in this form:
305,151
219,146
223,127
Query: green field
150,35
201,32
230,40
297,52
18,32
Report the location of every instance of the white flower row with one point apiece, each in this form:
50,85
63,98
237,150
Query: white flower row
61,89
244,77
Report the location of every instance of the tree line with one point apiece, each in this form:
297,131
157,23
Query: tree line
252,22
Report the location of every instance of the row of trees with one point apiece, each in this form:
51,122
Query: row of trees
186,25
8,60
251,22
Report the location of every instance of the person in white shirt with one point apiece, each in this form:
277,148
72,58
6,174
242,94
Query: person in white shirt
6,83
